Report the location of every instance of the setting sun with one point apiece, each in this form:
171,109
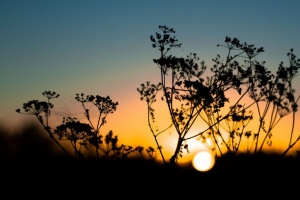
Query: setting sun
203,161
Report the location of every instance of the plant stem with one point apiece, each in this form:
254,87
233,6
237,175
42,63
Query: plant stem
155,136
51,136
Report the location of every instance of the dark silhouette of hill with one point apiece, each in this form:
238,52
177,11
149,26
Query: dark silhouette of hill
30,142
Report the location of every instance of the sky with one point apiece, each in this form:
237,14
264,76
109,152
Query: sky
104,48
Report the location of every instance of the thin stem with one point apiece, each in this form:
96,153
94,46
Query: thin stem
51,136
270,127
47,116
163,130
290,146
155,136
261,121
292,131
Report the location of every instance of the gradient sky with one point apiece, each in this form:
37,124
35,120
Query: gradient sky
103,47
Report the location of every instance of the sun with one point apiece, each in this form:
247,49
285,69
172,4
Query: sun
203,161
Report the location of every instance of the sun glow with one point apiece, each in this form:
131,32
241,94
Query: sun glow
203,161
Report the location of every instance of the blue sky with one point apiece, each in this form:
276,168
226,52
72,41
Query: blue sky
103,47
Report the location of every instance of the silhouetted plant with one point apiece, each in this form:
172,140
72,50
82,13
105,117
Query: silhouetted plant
112,150
76,132
190,97
235,125
150,154
148,93
80,134
38,108
105,106
50,95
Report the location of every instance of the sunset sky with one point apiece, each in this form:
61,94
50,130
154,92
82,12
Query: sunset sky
104,48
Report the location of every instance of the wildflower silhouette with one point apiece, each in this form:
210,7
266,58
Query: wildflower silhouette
37,108
105,106
82,135
75,132
190,97
148,93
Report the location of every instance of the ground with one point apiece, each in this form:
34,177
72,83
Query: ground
241,177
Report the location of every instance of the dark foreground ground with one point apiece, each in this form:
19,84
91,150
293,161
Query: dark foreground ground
243,177
28,170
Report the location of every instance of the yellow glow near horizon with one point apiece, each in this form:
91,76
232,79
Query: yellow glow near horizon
203,161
